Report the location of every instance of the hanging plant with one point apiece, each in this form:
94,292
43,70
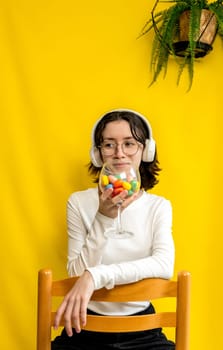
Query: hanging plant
186,30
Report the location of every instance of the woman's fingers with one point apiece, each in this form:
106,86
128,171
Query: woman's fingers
69,316
65,311
119,199
83,313
75,317
72,316
74,306
59,314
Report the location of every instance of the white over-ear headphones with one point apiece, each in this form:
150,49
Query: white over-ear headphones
150,145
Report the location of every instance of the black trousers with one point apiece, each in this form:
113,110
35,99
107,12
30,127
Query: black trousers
85,340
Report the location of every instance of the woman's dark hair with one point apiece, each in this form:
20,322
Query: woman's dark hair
148,170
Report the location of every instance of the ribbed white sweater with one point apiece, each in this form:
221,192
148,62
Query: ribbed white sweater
149,253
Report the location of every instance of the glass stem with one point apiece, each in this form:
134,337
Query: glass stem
119,223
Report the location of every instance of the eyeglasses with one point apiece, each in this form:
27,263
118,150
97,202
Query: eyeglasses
129,147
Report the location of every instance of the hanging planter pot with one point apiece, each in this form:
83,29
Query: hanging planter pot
204,38
185,30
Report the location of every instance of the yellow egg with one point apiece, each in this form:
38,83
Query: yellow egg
104,180
138,186
126,185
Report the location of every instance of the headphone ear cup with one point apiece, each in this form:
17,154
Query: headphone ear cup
149,150
95,157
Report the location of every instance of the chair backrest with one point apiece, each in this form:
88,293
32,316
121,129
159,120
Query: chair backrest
147,289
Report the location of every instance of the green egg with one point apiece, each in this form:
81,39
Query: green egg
134,185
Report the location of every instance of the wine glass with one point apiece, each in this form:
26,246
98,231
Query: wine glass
126,178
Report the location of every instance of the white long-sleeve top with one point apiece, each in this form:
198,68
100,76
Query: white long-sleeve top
149,253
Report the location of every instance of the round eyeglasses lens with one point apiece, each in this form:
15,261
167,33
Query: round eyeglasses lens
128,148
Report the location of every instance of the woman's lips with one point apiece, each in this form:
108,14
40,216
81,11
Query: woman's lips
121,165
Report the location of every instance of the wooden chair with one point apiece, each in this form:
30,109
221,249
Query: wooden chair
147,289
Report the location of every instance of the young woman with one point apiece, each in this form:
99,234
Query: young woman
119,137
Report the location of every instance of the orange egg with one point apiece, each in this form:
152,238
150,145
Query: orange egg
118,183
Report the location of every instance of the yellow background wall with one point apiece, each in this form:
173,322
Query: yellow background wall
62,64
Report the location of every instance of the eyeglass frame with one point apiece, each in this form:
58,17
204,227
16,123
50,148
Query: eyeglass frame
138,144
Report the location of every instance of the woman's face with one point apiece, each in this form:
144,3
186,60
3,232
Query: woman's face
117,135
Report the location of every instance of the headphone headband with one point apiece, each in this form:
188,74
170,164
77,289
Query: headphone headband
121,110
150,147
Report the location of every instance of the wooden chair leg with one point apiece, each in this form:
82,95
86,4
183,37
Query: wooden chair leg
44,310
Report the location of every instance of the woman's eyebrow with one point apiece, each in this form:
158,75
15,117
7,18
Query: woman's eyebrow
113,139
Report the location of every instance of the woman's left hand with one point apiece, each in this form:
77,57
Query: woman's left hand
74,305
108,204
